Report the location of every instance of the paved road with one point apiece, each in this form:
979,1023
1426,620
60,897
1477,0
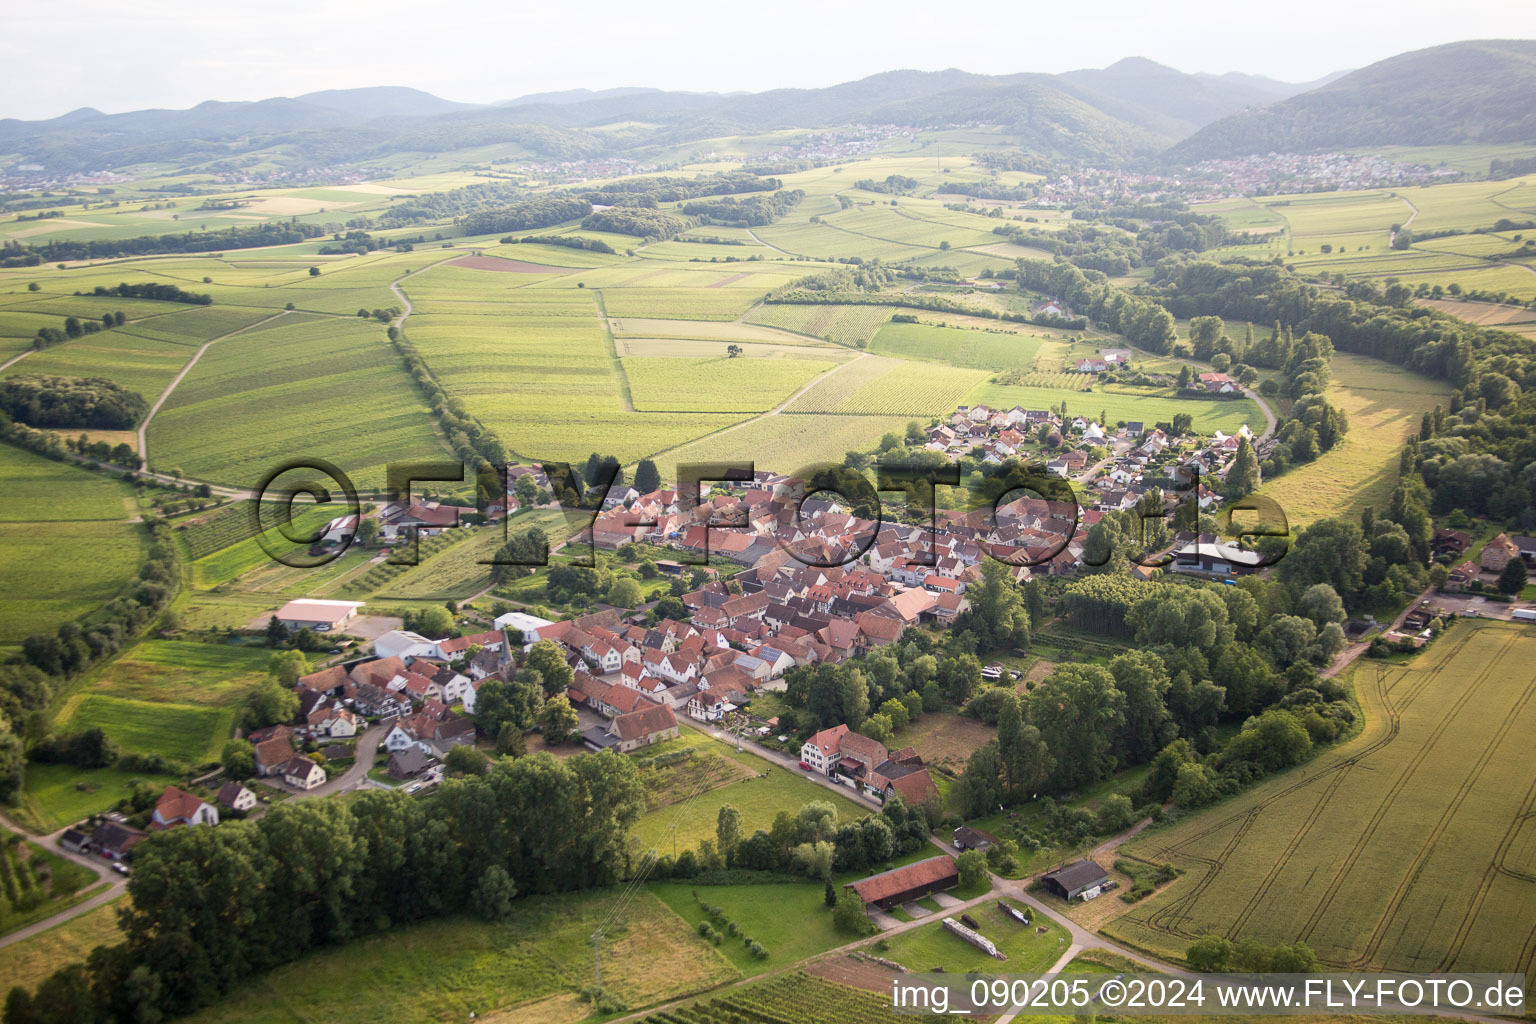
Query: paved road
117,884
352,778
366,753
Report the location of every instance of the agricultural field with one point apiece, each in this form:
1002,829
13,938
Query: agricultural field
68,543
982,350
1515,319
186,734
797,997
1356,226
876,385
790,919
460,571
228,561
767,791
846,325
1384,404
183,672
1411,847
328,387
719,384
785,441
528,970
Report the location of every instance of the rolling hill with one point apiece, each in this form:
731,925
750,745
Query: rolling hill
1477,91
1134,109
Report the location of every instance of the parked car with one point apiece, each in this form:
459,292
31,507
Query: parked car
120,867
804,766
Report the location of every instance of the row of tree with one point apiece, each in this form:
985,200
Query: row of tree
211,907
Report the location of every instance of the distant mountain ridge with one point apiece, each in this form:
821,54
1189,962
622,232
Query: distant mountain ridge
1135,109
1475,91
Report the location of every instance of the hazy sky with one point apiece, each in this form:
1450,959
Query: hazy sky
161,53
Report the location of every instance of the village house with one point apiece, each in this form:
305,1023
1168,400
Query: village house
650,724
236,797
178,807
303,773
1497,553
425,519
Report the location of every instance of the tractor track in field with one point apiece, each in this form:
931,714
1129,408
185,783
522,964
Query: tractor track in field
143,435
1427,848
625,395
1169,918
1383,809
1496,868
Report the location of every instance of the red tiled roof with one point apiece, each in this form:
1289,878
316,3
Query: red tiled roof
899,880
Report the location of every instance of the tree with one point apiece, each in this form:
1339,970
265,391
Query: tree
1025,761
1142,679
287,666
1194,786
997,615
13,762
1209,954
545,658
1512,578
239,759
494,893
849,915
1078,711
980,784
1116,813
466,760
878,728
270,703
433,622
896,710
973,869
625,593
732,351
1321,603
1243,476
509,740
1294,959
368,531
647,477
558,719
1330,551
959,677
727,830
526,491
314,271
277,633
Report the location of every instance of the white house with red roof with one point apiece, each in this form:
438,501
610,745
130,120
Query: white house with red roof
178,807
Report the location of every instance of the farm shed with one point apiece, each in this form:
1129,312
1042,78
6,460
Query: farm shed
904,884
1073,880
967,838
321,616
